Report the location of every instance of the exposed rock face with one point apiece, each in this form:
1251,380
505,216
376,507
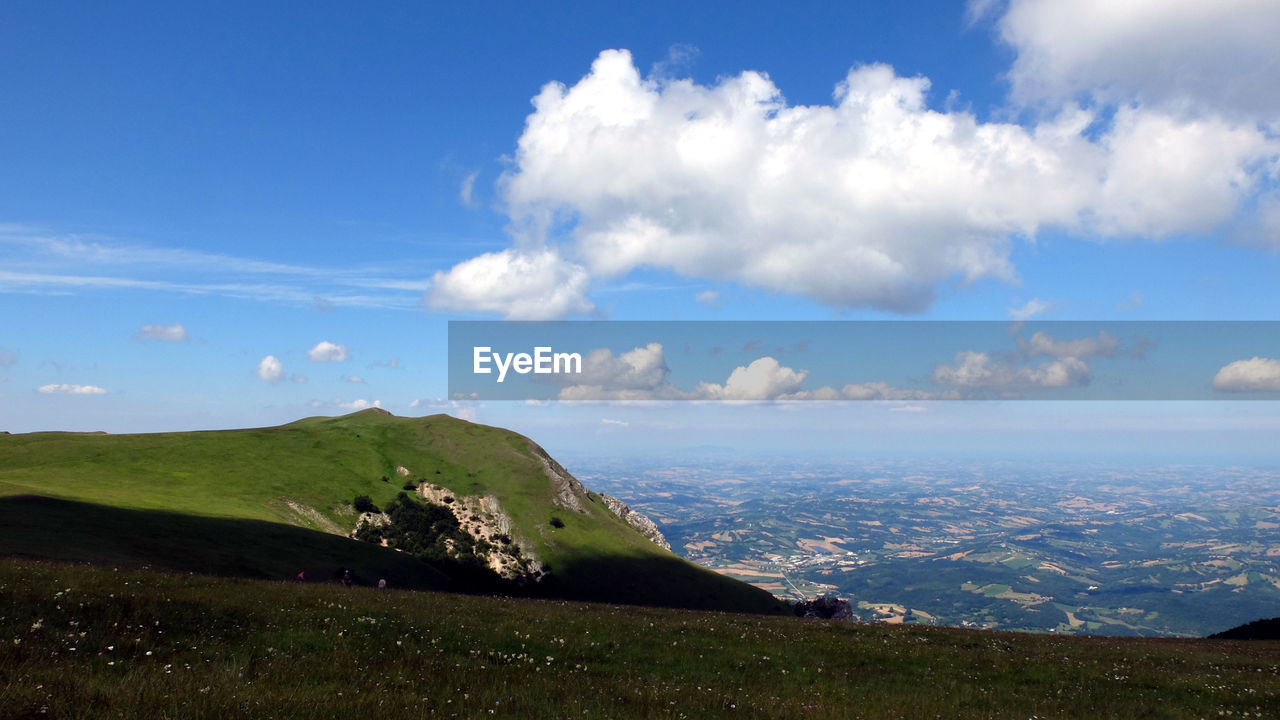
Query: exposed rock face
378,519
644,525
569,493
310,517
483,519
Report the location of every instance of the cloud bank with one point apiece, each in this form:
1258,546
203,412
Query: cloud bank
1177,54
875,199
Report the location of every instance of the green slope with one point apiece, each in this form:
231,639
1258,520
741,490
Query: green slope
85,642
165,499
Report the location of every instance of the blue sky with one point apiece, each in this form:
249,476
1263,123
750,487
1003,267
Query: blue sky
186,192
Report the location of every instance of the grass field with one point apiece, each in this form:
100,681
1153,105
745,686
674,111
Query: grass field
174,606
81,641
270,501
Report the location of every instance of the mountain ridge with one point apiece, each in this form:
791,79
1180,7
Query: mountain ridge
306,474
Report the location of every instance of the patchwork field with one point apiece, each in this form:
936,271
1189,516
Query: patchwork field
1178,551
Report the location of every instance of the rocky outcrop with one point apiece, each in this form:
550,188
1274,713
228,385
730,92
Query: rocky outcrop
484,519
376,519
642,524
568,492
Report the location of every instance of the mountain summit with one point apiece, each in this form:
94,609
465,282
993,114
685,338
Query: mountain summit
269,502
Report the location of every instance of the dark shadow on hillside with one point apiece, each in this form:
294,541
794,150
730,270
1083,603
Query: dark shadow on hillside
66,530
655,581
54,529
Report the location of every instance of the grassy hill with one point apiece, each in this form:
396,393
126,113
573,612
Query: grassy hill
267,502
89,642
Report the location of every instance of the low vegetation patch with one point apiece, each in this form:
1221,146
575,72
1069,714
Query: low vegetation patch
91,642
432,533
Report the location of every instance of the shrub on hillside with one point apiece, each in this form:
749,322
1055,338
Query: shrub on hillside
370,533
827,607
363,503
556,522
432,533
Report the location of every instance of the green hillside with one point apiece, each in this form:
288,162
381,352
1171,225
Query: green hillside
80,642
267,502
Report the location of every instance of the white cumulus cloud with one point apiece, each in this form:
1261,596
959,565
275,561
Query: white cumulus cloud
1166,175
977,370
325,351
642,368
641,374
516,284
1042,344
872,200
65,389
167,333
1033,307
271,369
1171,53
358,404
1254,374
764,379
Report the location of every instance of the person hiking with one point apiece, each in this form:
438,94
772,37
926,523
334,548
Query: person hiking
300,577
382,584
346,578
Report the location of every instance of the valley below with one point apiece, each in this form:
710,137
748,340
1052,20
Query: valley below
1096,549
